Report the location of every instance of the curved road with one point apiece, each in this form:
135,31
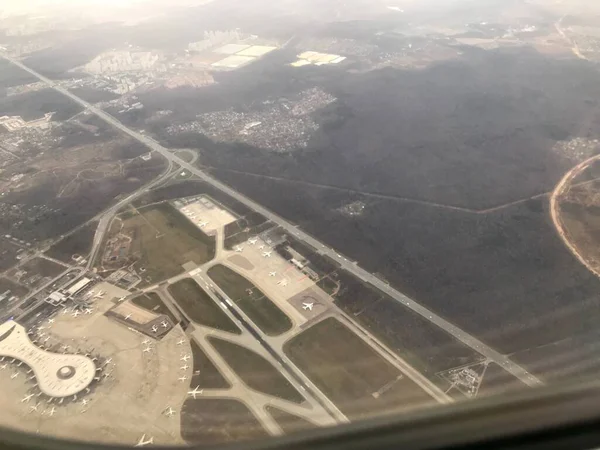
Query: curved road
469,340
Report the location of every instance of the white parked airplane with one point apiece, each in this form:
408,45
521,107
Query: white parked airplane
33,408
89,311
185,358
127,316
195,391
51,411
154,328
169,412
146,341
108,361
26,398
267,254
76,313
184,367
202,224
143,441
3,366
260,247
252,241
272,274
14,375
182,379
239,249
147,349
181,342
51,320
282,283
85,401
308,306
164,324
64,348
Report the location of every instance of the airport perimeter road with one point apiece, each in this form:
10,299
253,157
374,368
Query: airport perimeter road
350,266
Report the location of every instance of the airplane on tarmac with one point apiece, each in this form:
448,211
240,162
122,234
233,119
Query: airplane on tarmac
182,379
154,329
181,342
308,306
252,241
85,401
164,324
26,398
147,349
282,283
185,358
202,224
89,310
143,441
272,274
33,408
146,341
260,247
239,249
51,411
75,313
127,316
267,254
51,320
184,367
169,411
195,392
14,375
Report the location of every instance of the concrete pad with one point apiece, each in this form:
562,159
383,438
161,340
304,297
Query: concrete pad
205,214
241,262
256,51
233,61
231,49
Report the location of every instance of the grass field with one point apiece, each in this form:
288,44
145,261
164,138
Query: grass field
255,371
9,285
211,421
261,310
152,302
206,375
78,243
358,380
162,240
200,308
288,422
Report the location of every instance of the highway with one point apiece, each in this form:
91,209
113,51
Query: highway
466,338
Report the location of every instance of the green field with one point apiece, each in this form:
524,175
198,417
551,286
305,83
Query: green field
211,421
357,379
289,423
206,375
162,240
259,308
199,307
152,302
255,371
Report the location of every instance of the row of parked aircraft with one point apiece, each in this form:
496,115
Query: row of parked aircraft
192,216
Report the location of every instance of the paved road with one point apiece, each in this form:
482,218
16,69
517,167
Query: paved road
469,340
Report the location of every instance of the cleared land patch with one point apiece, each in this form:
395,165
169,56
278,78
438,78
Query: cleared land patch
209,422
200,308
263,312
357,379
159,240
255,371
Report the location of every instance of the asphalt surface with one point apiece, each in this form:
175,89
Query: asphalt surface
466,338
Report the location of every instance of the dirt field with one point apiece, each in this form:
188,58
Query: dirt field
255,371
263,312
359,381
210,422
289,423
152,302
200,307
205,373
163,240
